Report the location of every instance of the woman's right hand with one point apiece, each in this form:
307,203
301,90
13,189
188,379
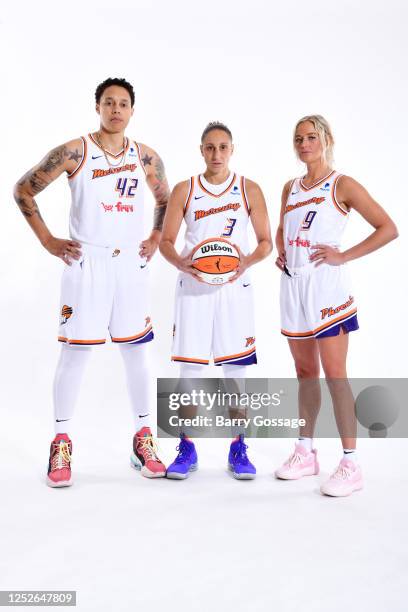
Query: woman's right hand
281,260
186,265
67,250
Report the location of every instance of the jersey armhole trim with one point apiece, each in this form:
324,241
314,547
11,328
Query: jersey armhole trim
140,158
190,193
81,163
289,192
340,208
244,195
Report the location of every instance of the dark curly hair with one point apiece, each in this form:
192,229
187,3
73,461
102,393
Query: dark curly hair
120,83
215,125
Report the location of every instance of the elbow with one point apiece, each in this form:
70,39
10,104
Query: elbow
395,233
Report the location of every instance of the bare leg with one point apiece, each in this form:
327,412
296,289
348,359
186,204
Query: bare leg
333,354
306,356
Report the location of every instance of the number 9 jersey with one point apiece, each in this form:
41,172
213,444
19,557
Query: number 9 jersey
316,301
312,216
107,199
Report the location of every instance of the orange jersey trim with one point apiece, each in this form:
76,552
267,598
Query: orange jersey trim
140,157
190,360
190,195
114,155
81,163
70,341
244,195
217,195
319,329
314,184
143,333
341,210
252,350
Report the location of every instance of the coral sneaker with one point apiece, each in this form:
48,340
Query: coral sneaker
300,463
238,462
59,465
185,462
346,479
144,456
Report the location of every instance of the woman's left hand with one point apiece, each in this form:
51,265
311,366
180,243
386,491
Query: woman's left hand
326,254
243,265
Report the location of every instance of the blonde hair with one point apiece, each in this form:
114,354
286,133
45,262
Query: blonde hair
323,129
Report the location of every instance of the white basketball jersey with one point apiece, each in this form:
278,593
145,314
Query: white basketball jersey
209,214
312,216
107,206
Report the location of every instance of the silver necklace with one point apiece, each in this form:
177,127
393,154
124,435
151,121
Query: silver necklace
122,159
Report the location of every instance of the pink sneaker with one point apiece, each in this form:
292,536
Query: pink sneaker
59,465
300,463
346,479
144,457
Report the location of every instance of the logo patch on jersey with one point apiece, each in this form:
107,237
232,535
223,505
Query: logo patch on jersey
147,321
299,242
96,156
201,214
250,341
329,312
291,207
119,207
198,197
98,173
326,187
66,313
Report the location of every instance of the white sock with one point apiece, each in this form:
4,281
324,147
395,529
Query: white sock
350,454
307,443
139,384
67,382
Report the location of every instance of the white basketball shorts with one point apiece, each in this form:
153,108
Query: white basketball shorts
316,302
215,321
105,290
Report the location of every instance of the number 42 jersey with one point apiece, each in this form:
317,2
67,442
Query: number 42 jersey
312,216
107,206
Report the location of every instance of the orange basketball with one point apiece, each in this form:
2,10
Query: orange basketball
216,259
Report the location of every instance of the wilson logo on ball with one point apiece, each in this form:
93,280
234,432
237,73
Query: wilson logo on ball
216,260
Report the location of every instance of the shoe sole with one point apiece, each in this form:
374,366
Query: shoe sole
281,477
243,476
136,465
179,475
59,485
356,488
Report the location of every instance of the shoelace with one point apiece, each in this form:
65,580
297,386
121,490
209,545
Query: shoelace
240,453
148,448
294,459
342,473
61,456
184,452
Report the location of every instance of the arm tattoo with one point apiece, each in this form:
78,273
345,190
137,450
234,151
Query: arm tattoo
160,173
159,213
54,159
29,208
147,160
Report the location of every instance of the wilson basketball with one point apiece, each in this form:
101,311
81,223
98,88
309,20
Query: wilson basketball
216,259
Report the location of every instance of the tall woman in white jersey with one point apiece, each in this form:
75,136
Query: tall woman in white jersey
215,321
318,305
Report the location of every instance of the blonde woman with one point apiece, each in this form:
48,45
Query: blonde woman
318,308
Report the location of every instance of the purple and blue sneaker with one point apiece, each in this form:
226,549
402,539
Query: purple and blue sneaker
238,461
186,460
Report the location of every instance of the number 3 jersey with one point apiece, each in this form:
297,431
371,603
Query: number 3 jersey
107,200
216,210
312,216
